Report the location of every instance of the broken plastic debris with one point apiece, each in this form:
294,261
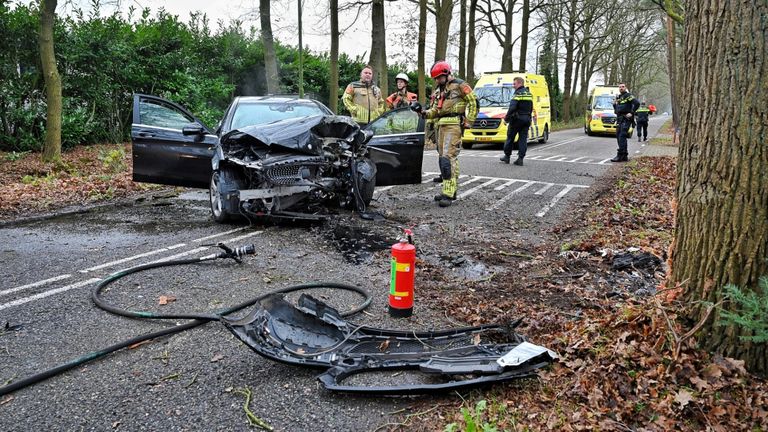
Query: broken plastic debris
524,352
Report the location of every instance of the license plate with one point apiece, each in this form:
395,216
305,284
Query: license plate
484,138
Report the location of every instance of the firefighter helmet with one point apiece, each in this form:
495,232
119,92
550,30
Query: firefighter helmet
402,76
440,68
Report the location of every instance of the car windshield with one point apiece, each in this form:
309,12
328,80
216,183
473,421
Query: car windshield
249,114
603,103
494,96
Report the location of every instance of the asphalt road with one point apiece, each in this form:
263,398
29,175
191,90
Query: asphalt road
189,381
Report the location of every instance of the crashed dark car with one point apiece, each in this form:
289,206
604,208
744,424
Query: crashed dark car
275,156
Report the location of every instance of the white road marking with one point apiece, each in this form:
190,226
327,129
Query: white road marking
489,182
472,180
554,201
48,293
602,162
556,144
244,236
551,157
544,189
509,195
577,159
35,284
131,258
510,182
202,239
179,255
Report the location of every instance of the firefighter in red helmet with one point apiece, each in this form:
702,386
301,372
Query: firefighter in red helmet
452,108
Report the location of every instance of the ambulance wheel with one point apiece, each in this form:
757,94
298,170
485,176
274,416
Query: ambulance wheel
545,136
467,145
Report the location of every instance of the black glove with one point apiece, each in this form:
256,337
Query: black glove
416,107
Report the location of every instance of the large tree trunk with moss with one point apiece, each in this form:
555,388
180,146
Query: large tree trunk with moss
333,79
722,192
422,50
378,58
52,145
270,58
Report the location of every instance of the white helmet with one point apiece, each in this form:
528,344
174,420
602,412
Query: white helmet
402,76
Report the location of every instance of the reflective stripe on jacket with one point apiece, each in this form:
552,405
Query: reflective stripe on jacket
520,106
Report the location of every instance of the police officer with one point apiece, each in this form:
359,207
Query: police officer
624,106
363,98
402,97
453,106
518,121
642,114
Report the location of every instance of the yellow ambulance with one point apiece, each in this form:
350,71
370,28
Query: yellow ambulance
494,91
600,118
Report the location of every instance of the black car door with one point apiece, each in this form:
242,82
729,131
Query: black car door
399,135
170,146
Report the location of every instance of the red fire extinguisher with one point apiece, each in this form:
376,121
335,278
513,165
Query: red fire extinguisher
401,283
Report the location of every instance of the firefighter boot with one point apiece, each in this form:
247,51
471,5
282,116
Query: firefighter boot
437,179
445,201
440,197
505,158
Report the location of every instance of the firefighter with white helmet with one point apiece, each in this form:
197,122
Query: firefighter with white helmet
402,97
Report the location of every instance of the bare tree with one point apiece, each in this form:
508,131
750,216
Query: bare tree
463,40
378,58
422,49
53,99
472,43
497,18
270,59
443,11
721,234
333,79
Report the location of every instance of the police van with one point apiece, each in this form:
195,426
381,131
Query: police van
599,117
494,91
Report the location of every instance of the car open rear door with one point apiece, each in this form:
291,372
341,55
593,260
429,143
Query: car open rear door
170,146
397,147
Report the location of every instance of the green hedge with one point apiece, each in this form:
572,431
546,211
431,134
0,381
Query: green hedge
103,60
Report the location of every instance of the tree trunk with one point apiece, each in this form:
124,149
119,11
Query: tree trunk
52,145
524,34
463,40
722,181
444,13
472,43
569,43
422,50
672,65
333,79
378,58
507,65
301,54
270,59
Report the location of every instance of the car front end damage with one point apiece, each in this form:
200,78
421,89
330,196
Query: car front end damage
294,168
313,334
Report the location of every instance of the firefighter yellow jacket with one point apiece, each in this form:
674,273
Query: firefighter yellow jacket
364,101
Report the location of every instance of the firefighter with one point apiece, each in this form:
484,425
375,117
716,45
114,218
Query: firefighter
363,98
453,107
624,106
402,97
518,119
642,114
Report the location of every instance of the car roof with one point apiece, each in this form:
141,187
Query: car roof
274,99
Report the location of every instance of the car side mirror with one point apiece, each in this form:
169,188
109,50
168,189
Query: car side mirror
193,129
367,135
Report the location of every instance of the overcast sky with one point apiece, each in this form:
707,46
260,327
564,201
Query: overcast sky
401,22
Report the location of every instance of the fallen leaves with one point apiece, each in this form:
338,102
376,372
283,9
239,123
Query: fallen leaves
164,300
683,397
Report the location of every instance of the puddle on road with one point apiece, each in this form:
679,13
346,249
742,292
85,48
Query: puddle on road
357,245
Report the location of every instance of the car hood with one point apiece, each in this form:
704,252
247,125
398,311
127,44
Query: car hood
304,135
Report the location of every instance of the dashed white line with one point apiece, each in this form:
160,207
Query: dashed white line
544,189
131,258
602,162
554,201
551,157
506,197
35,284
510,182
49,293
471,191
472,180
244,236
218,235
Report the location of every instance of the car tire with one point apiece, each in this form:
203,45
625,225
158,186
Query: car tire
467,145
224,209
367,187
545,136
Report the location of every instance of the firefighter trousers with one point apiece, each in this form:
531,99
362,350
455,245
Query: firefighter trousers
448,147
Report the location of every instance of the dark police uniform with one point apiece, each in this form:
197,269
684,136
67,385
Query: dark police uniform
641,115
519,121
625,104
